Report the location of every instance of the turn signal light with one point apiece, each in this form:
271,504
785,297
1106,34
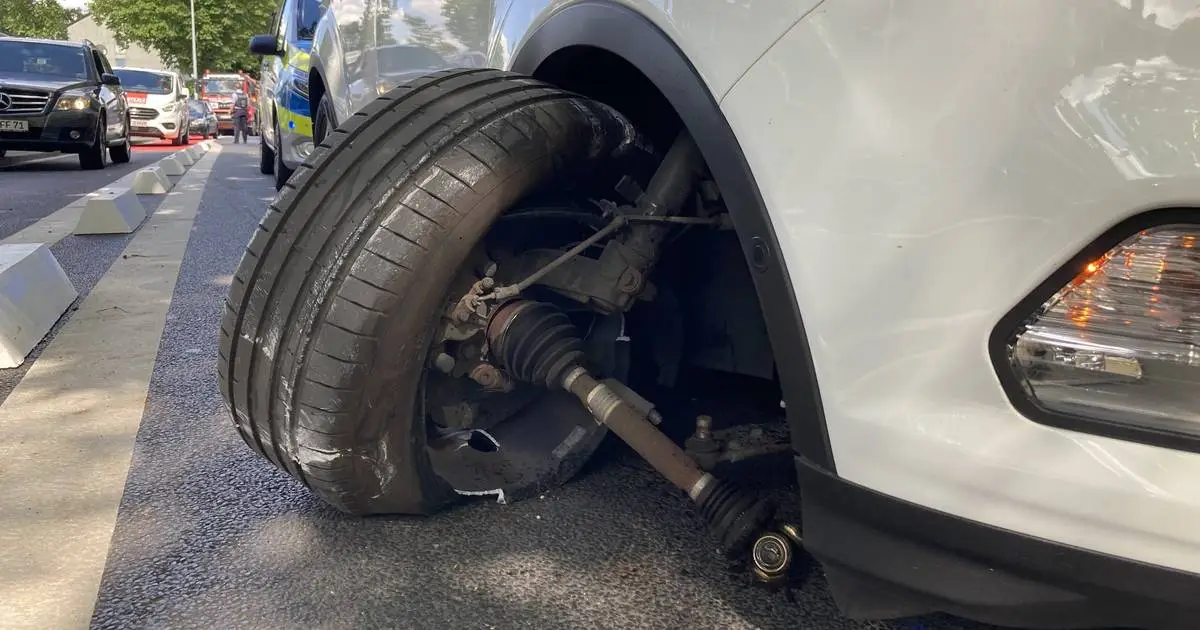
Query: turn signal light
1119,343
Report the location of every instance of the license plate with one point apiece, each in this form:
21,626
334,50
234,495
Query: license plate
14,125
223,117
139,124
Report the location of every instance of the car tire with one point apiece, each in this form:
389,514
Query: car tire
323,121
122,153
92,158
331,311
266,158
281,170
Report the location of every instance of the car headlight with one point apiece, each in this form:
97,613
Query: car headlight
169,107
74,102
300,84
1116,349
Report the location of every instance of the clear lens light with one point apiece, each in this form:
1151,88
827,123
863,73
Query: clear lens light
1119,343
74,102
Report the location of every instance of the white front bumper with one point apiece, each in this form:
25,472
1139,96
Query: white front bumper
926,165
166,126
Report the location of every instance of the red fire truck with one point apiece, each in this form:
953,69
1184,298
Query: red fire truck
218,88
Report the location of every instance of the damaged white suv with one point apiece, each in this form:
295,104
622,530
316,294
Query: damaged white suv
946,249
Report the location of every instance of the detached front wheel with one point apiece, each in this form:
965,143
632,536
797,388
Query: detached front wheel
334,322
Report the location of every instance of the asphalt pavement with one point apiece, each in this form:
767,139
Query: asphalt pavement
208,535
44,183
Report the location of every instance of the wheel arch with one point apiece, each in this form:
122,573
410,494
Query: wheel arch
636,40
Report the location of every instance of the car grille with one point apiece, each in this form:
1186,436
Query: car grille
143,113
24,101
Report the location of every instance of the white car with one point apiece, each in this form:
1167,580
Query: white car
955,242
158,104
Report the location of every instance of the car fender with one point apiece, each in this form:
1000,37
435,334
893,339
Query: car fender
326,60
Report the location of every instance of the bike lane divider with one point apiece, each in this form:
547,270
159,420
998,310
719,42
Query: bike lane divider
59,224
71,422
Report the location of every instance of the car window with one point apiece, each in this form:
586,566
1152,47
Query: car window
43,59
104,65
308,13
145,81
197,108
222,86
97,64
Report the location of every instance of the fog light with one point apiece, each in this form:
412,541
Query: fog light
75,135
1118,343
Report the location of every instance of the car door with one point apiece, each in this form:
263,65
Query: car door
414,38
181,101
268,77
112,99
357,23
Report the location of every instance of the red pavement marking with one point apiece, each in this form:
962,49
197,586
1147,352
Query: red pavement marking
164,146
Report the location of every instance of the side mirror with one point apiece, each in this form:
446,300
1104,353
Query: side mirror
266,45
109,78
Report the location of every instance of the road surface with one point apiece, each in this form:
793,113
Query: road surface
204,534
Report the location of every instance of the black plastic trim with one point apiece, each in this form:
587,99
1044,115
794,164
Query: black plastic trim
979,571
629,35
1009,325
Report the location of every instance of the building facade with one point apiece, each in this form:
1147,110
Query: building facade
119,56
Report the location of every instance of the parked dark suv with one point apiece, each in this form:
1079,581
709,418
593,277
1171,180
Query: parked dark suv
62,97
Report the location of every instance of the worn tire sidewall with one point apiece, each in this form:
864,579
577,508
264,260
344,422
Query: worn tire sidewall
391,424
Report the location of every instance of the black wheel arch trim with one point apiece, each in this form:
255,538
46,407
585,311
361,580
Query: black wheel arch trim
631,36
1011,323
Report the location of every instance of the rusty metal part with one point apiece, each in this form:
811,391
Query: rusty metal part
772,556
701,446
491,378
537,346
640,404
619,277
738,443
514,290
657,449
774,552
630,281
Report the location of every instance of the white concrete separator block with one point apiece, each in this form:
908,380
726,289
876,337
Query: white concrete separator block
111,211
34,293
197,151
184,157
151,181
171,165
202,148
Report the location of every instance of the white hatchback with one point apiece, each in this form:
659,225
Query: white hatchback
158,107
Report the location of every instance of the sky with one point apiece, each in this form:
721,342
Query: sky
74,4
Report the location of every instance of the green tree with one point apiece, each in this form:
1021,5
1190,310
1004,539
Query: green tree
223,29
36,18
469,21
